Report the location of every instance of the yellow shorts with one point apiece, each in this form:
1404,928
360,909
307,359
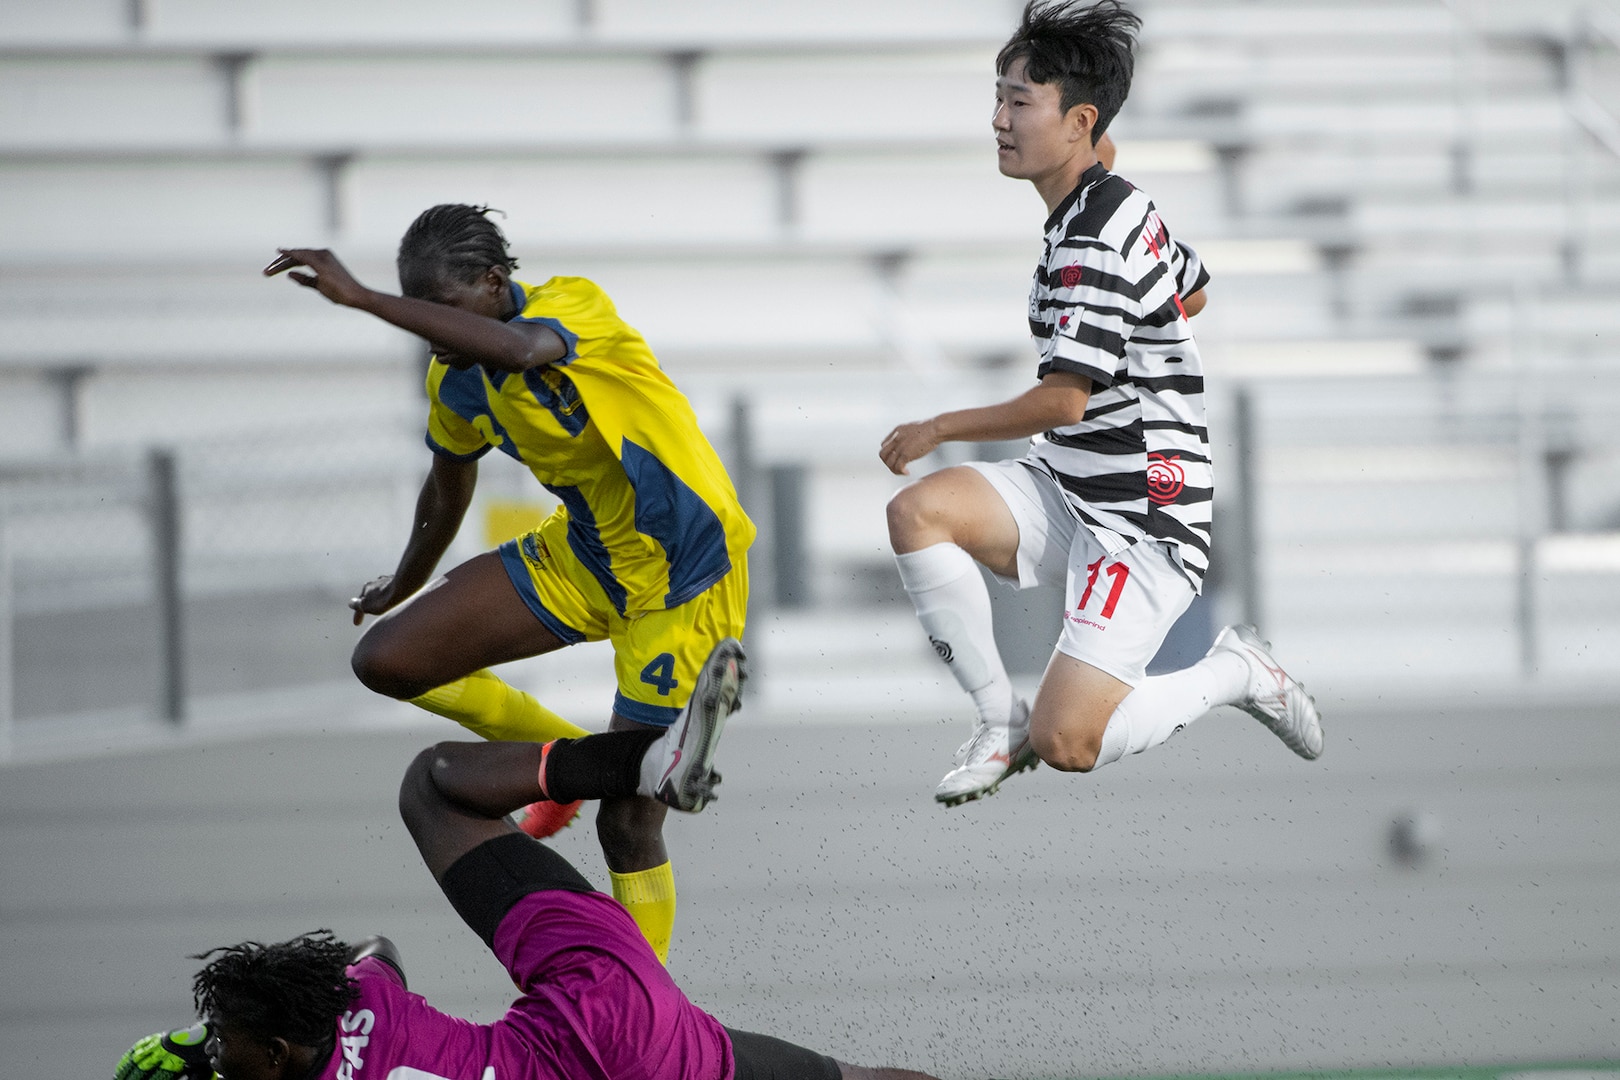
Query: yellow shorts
657,654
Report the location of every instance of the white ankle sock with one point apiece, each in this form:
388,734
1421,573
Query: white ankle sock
953,606
1164,704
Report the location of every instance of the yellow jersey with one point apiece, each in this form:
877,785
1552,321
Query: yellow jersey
652,513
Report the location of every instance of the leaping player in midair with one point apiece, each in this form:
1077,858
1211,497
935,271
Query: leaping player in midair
648,549
1112,502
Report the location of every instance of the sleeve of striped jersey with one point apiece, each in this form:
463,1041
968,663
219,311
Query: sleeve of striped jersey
1092,318
452,436
1191,274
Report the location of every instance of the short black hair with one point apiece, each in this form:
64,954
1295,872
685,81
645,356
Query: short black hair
1087,49
294,990
451,240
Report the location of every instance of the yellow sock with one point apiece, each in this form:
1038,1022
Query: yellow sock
649,897
486,706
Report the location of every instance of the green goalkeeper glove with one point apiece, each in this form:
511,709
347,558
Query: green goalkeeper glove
173,1055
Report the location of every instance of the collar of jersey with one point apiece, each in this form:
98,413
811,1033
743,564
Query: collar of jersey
520,300
1096,174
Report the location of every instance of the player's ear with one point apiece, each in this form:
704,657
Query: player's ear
496,279
278,1053
1082,120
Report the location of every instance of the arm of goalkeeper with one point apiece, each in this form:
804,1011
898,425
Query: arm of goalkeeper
168,1055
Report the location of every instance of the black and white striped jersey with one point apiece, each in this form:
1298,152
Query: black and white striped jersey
1106,304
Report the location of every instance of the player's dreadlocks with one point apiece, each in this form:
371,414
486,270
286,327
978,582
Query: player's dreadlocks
1086,49
294,989
451,240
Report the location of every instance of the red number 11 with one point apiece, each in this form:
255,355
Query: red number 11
1119,572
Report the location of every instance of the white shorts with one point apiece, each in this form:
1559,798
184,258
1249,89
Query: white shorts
1117,605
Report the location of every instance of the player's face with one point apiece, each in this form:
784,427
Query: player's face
237,1054
486,296
1034,136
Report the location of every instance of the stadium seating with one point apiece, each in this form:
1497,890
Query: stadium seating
776,192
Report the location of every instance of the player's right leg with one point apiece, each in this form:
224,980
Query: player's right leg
939,527
433,651
1016,523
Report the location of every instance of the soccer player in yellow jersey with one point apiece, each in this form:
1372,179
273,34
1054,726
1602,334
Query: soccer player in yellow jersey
648,549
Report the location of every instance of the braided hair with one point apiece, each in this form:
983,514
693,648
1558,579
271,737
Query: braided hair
1089,51
293,990
451,240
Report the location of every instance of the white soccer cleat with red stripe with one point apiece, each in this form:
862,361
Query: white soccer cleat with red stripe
678,769
1276,698
990,757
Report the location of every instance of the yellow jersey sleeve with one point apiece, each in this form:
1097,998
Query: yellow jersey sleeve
449,433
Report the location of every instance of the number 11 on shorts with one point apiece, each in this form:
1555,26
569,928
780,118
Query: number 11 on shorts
1119,572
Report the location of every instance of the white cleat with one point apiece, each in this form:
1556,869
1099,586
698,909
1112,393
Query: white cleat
990,757
678,769
1276,698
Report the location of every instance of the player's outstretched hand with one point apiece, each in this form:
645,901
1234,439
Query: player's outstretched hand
331,278
376,596
171,1055
906,444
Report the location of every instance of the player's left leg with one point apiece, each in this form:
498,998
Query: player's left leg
1097,704
456,796
669,666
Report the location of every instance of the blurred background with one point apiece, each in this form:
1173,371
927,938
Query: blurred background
1411,211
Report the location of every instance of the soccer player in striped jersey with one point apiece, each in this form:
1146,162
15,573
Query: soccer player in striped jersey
1112,501
648,549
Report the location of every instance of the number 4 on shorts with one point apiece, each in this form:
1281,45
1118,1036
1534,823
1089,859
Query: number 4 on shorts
661,673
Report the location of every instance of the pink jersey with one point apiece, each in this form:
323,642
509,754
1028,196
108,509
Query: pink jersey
596,1005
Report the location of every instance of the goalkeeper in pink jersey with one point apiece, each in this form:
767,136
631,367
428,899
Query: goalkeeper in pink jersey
595,1002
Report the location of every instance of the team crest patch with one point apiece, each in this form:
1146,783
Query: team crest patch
535,550
1165,479
1070,275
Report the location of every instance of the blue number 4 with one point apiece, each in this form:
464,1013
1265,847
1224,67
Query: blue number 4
661,673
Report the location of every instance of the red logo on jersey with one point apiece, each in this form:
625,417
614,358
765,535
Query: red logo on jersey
1165,479
1156,235
1070,275
1063,323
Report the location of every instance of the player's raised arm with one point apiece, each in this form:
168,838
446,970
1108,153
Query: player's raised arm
465,323
1056,401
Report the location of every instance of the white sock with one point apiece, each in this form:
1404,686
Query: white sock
953,606
1164,704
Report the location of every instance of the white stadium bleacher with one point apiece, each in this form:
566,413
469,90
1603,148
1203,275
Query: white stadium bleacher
778,191
646,202
110,103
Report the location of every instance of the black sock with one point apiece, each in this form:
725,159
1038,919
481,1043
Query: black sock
601,766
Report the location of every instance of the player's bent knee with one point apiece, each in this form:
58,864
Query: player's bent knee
902,514
383,670
417,792
1067,751
913,516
